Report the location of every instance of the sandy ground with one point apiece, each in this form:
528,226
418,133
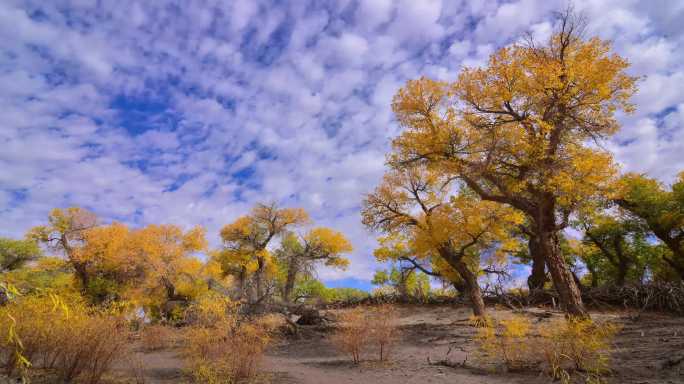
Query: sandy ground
647,351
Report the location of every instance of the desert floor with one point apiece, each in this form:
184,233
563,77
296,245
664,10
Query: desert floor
434,342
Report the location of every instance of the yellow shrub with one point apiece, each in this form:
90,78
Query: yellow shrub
351,335
507,341
579,345
224,351
561,347
69,340
210,310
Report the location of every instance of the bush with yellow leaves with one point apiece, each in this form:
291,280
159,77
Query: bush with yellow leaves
219,348
577,345
70,340
505,341
560,348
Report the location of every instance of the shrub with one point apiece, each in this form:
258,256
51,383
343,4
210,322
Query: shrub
219,348
156,337
506,340
382,326
561,348
351,335
225,353
210,310
70,340
577,345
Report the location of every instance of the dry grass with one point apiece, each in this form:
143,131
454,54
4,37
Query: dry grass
223,353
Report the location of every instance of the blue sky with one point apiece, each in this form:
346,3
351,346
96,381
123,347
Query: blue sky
160,112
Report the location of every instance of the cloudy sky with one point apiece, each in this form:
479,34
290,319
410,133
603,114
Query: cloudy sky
161,112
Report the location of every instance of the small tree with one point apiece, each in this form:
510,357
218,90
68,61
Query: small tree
351,334
298,255
245,243
414,203
64,233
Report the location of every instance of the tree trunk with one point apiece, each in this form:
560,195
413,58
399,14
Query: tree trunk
474,291
460,287
240,278
79,267
537,278
292,270
259,278
568,292
469,280
621,275
402,288
622,262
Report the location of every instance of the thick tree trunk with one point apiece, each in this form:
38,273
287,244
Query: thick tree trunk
537,278
568,292
621,275
622,262
402,288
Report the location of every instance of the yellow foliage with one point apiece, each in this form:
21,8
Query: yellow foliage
326,244
210,310
245,240
561,347
221,349
68,339
507,340
517,128
422,214
582,344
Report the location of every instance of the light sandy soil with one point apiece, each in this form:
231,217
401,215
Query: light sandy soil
431,334
649,349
